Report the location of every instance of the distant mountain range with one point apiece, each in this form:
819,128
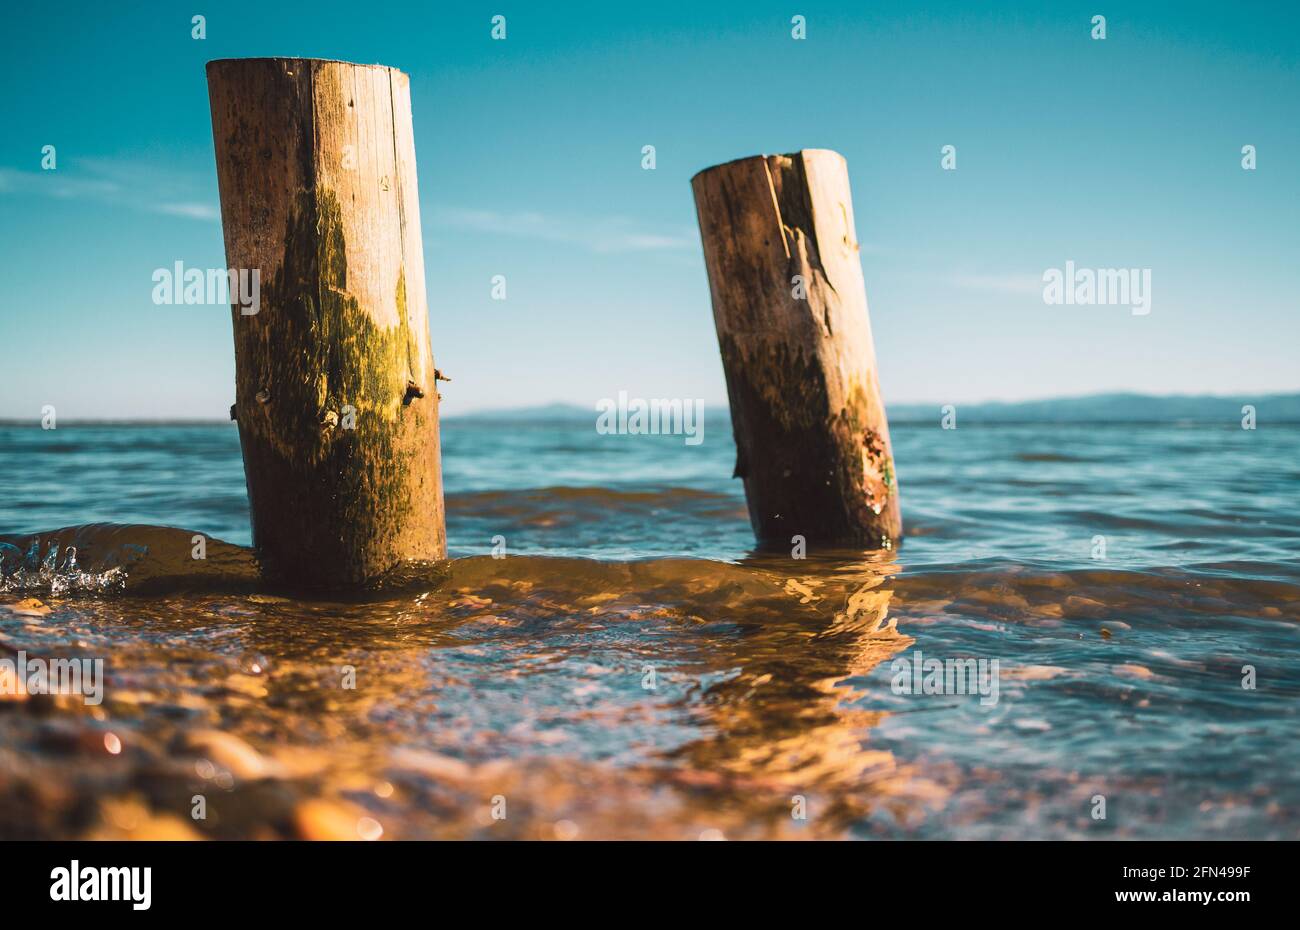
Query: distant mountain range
1116,408
1095,408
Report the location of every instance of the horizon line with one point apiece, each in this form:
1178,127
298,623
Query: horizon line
532,408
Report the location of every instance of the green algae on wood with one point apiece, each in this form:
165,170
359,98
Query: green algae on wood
790,309
335,393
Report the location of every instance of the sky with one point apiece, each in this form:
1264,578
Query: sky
1115,153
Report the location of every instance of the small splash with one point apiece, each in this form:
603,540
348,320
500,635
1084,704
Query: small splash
103,558
57,572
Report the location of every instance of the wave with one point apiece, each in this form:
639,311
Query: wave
103,558
138,559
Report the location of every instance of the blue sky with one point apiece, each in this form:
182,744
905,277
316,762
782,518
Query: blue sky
1116,153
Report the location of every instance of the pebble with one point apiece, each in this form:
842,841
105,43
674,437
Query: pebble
434,765
319,819
129,819
1132,671
28,607
231,753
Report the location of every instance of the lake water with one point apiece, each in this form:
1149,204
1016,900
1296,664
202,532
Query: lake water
629,666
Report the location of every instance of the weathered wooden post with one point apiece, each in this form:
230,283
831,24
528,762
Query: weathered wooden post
791,313
335,386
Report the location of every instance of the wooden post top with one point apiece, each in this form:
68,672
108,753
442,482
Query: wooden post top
294,58
237,67
806,154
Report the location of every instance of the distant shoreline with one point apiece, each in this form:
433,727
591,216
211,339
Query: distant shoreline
1270,410
1093,409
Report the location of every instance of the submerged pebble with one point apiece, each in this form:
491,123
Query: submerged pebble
229,752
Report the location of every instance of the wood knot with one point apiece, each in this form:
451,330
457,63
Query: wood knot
329,420
412,391
263,396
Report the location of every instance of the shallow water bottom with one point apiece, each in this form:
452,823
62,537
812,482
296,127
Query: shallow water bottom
562,698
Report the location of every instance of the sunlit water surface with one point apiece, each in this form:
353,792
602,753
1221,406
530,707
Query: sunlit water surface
633,668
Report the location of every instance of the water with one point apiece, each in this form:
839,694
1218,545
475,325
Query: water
633,668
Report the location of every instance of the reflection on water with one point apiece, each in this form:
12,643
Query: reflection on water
663,698
595,683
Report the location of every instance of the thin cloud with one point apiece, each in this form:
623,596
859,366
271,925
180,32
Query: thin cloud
52,184
136,186
195,211
1018,284
607,234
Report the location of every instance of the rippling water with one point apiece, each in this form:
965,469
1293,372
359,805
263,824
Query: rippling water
633,668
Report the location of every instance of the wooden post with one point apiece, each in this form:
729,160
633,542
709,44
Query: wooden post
335,386
791,314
